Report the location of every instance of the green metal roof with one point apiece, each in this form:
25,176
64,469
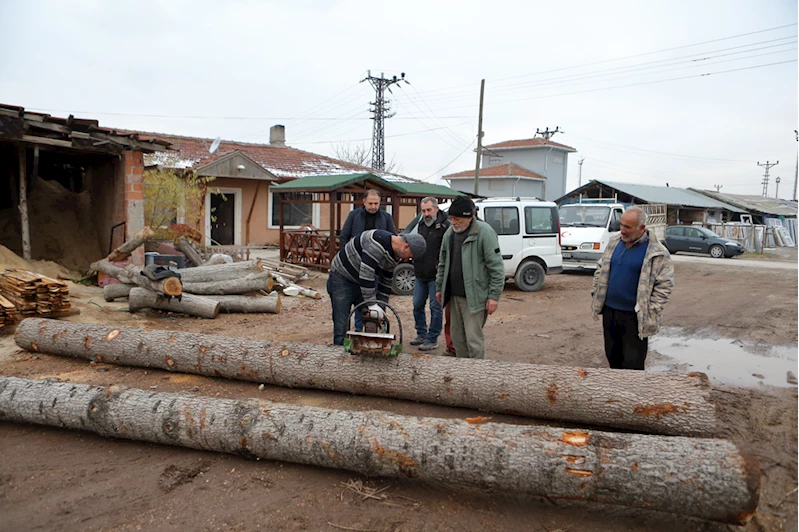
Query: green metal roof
427,189
320,183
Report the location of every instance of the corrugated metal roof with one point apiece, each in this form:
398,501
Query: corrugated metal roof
427,189
330,182
669,195
755,204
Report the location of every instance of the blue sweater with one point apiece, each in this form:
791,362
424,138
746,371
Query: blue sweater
625,270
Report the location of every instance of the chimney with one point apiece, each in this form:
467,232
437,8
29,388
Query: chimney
277,136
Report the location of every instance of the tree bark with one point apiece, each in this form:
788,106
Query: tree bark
192,305
220,272
251,283
248,304
307,292
113,291
188,249
124,251
215,260
659,402
170,286
704,478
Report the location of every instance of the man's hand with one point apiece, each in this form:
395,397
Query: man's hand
491,305
376,311
438,298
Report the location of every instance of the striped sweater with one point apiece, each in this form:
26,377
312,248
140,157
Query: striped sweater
366,258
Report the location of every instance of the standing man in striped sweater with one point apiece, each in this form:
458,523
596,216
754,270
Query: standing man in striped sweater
363,271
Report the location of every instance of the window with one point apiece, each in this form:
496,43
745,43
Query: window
294,214
504,220
692,232
540,220
675,231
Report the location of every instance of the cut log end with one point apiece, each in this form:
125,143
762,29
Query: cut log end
173,286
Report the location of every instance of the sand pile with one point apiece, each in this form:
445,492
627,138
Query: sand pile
9,259
60,224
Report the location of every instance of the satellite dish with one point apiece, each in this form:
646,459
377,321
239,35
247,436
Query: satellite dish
215,145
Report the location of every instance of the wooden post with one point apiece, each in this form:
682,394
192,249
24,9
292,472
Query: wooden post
280,214
331,242
395,208
23,204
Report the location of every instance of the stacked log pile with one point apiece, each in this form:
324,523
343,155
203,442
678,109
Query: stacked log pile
207,289
33,294
8,312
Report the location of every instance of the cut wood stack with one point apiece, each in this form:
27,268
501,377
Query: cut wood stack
8,312
34,294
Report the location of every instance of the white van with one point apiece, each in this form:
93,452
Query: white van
585,230
529,238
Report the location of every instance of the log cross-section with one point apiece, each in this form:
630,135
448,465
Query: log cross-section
658,402
704,478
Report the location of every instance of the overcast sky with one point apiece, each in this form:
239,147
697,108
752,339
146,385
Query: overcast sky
594,69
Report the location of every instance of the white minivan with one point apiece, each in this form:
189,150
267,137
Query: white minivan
529,238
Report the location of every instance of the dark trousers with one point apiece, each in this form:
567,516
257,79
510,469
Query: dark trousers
623,348
343,295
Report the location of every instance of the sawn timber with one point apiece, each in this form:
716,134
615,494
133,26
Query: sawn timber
704,478
655,402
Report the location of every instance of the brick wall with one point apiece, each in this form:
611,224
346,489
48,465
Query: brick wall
133,169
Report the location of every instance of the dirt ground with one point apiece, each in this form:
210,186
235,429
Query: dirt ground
54,479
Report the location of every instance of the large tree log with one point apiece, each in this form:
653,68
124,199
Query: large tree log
202,307
124,251
248,304
216,259
113,291
659,402
170,286
704,478
187,249
220,272
251,283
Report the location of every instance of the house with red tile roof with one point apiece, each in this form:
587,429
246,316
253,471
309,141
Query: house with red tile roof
240,208
535,167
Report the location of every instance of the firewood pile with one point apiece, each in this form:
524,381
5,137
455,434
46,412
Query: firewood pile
8,312
33,294
206,289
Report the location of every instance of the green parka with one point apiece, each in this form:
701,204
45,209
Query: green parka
483,269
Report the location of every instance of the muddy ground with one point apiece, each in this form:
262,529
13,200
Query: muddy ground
54,479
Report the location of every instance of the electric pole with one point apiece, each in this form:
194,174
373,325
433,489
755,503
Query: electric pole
768,167
580,175
718,187
547,134
380,111
777,194
479,137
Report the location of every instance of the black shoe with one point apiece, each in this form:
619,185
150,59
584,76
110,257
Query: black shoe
418,341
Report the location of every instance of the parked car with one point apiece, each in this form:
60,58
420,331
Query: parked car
529,240
682,238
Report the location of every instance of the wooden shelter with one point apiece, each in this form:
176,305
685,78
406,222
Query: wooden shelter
314,247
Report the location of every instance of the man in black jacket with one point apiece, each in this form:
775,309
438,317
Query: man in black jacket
432,225
367,217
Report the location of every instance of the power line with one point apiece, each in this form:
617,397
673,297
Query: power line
380,112
452,161
622,147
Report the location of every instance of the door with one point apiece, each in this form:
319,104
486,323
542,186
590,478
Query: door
223,221
541,232
675,239
695,241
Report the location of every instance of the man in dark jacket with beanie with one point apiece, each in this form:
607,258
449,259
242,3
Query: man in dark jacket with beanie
432,226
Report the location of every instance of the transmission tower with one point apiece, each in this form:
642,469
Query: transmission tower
547,134
380,111
718,187
767,165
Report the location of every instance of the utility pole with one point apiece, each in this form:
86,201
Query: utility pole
768,167
796,168
580,175
777,194
547,134
718,187
479,137
380,111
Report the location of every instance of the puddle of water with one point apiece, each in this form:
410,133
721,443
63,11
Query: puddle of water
726,361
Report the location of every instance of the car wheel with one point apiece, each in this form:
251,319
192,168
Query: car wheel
716,251
530,276
404,280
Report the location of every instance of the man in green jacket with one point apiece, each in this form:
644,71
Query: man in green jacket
470,277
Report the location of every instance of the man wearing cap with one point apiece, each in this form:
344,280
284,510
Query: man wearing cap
470,277
363,270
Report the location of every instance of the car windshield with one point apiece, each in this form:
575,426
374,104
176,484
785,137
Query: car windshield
708,233
584,215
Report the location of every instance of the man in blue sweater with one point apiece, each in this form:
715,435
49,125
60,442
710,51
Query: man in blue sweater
632,284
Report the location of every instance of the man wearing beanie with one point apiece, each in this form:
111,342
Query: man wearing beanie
470,277
363,271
